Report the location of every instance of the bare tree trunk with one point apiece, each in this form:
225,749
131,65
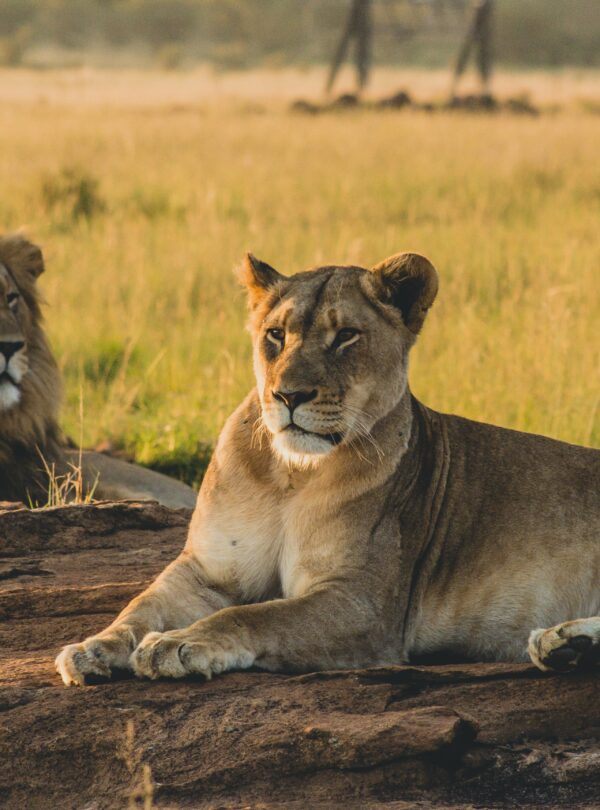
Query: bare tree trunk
358,27
486,54
479,35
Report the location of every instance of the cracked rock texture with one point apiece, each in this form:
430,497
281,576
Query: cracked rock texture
477,735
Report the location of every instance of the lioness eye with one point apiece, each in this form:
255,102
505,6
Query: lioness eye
12,298
345,337
276,336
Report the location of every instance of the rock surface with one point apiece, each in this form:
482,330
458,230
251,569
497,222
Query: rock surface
402,737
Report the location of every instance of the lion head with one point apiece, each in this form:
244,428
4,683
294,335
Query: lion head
331,348
29,378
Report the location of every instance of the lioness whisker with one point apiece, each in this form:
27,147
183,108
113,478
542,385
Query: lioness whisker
362,430
259,429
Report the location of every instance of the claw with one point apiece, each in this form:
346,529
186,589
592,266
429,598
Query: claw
158,656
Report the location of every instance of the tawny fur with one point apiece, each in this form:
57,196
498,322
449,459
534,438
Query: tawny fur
31,443
29,429
341,523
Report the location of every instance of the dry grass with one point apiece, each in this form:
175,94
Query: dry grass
143,209
65,488
142,787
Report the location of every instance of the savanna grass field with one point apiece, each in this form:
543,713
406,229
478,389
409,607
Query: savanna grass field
146,189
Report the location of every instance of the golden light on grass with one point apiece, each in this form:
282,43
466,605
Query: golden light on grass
151,207
64,488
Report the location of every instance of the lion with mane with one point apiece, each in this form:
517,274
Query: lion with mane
31,441
30,383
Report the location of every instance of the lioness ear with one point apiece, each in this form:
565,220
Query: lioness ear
22,257
410,283
257,277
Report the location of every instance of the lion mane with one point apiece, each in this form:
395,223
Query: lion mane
32,446
29,431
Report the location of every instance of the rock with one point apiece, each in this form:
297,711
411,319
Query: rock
478,735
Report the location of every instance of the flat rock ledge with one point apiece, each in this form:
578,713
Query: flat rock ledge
479,735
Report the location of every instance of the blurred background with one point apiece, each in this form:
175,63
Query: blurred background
236,34
146,144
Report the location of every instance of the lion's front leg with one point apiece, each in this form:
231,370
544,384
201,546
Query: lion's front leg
176,598
567,645
322,630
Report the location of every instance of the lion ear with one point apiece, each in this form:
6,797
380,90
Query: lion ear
410,283
22,257
32,259
257,277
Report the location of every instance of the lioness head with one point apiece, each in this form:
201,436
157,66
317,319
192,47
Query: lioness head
29,381
331,348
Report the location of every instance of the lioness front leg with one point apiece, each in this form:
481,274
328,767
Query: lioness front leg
567,645
176,598
325,629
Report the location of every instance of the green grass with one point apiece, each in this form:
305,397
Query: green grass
147,320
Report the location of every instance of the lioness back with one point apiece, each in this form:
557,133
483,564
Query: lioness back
519,533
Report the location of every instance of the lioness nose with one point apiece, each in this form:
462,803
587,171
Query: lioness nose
294,398
8,349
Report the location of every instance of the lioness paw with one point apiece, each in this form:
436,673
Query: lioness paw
158,655
566,646
178,653
95,658
78,664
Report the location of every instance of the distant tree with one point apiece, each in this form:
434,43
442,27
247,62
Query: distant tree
479,37
359,27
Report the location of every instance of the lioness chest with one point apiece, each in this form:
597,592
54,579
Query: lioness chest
253,546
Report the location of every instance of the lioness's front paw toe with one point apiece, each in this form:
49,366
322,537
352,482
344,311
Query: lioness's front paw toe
566,646
77,665
158,655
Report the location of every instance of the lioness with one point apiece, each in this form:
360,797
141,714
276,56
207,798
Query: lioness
31,442
341,523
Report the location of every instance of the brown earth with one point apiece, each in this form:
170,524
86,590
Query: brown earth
403,737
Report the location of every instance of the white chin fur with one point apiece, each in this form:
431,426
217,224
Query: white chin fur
10,395
301,450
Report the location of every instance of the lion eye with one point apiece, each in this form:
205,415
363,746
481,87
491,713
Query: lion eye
12,299
345,337
276,336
